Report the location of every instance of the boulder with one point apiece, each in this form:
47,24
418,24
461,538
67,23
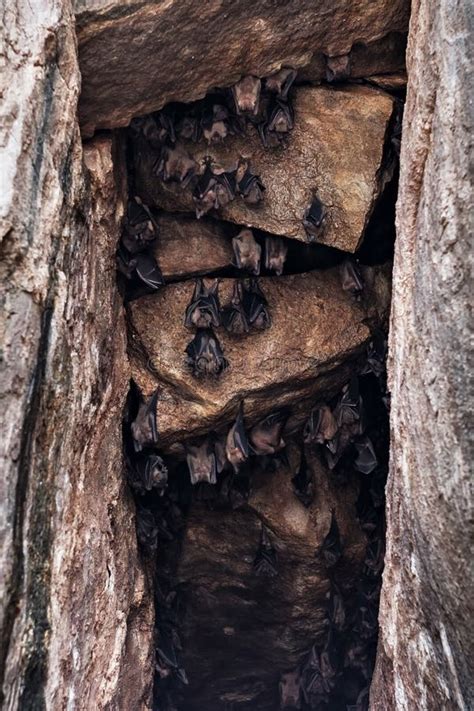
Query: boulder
335,151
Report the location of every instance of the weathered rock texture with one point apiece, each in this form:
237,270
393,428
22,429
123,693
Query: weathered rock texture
128,50
334,151
426,643
241,631
317,329
76,623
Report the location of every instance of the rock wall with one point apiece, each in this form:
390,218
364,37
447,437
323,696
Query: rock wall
426,641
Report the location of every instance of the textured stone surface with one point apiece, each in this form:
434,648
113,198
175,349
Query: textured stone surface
316,327
75,624
137,56
241,631
426,644
334,150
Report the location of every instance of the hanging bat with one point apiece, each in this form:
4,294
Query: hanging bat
366,622
147,531
266,436
175,164
248,185
336,609
280,121
203,311
165,120
204,354
303,482
201,460
188,128
214,123
313,686
290,691
321,426
144,427
140,230
265,562
247,251
226,185
349,409
246,95
233,317
280,82
256,306
149,472
235,490
275,254
366,460
338,68
330,661
331,548
374,558
152,132
237,445
351,278
314,219
376,354
141,266
362,703
205,194
357,657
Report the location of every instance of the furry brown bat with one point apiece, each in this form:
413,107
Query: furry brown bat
203,310
141,266
214,189
247,251
256,306
175,164
279,122
330,661
204,354
248,185
140,230
214,123
290,691
188,128
148,471
321,426
201,460
237,445
265,562
266,436
313,686
147,530
314,219
374,558
303,484
338,68
351,278
331,548
276,250
246,95
349,410
336,610
280,82
233,316
144,427
366,460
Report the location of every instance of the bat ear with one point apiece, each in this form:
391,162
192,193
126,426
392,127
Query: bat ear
214,288
198,289
151,407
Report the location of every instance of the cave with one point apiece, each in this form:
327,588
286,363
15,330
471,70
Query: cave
236,423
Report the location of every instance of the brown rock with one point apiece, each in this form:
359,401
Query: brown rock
317,329
334,150
128,52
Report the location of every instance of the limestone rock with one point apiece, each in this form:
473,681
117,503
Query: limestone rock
128,50
335,151
317,330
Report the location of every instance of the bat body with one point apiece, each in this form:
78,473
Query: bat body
290,691
374,558
275,254
321,426
330,661
249,186
140,230
331,548
247,251
203,310
266,436
204,354
303,483
351,278
214,123
237,445
313,685
144,427
215,188
280,82
175,164
256,306
149,472
141,266
314,219
188,128
201,461
233,316
336,610
338,68
246,95
147,530
265,562
366,460
279,122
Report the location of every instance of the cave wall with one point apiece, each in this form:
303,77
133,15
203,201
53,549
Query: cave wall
427,605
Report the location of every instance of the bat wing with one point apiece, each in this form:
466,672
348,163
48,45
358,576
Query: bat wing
148,271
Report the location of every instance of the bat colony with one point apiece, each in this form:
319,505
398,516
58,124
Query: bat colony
217,467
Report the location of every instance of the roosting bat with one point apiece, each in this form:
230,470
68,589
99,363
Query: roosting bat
145,428
349,410
203,310
147,530
279,122
215,188
290,691
188,128
373,563
143,266
248,185
214,123
165,120
237,445
256,306
313,686
265,562
275,254
351,278
336,609
201,460
321,426
233,316
314,219
266,436
376,354
330,661
280,82
303,482
357,657
366,621
247,251
331,548
366,460
175,164
338,68
149,472
140,230
246,95
205,357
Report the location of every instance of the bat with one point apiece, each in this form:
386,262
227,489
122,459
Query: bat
303,482
351,278
265,562
205,195
235,489
266,436
147,530
374,555
203,311
275,254
313,686
204,354
362,703
366,460
233,317
175,164
329,661
249,186
349,409
141,266
321,426
148,472
376,355
237,445
314,219
280,82
357,658
366,622
140,230
280,121
256,306
246,95
188,128
201,460
214,123
226,184
290,691
144,427
336,610
338,68
331,548
165,120
247,251
150,130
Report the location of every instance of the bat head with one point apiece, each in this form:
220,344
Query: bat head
246,95
201,461
247,251
314,218
275,254
338,68
280,82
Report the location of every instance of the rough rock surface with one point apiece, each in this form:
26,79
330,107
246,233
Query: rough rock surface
235,646
75,623
335,151
312,335
127,50
426,631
